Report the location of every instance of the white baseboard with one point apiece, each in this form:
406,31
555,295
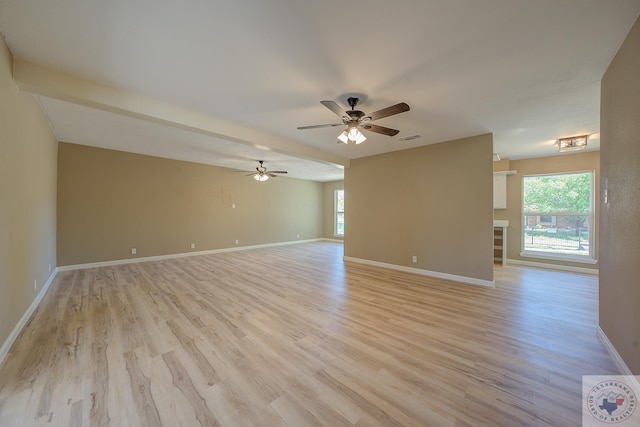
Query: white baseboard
572,269
622,367
182,255
6,346
436,274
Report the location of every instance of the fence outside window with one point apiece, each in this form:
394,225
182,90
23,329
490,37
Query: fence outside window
558,215
567,235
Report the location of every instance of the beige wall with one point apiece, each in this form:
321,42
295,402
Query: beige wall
435,202
328,208
111,201
27,199
569,162
620,219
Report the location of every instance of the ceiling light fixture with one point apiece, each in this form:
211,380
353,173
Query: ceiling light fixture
261,177
352,134
573,143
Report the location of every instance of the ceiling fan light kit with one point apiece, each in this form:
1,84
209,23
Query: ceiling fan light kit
356,119
353,135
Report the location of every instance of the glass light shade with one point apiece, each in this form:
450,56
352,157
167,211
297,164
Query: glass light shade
343,137
360,138
260,177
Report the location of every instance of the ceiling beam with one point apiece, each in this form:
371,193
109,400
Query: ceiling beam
58,85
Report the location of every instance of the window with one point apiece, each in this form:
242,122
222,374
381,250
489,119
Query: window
547,220
339,208
558,216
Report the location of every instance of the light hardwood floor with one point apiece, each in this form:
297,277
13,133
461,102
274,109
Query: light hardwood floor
292,336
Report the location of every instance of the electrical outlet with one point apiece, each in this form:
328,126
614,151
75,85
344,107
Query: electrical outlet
35,284
414,259
237,241
233,205
297,236
49,267
193,246
133,251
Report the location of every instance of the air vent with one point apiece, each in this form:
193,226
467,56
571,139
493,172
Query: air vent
409,138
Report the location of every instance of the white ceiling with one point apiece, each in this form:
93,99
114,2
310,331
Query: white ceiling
527,71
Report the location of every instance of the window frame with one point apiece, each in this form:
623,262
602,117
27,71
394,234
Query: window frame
585,259
336,232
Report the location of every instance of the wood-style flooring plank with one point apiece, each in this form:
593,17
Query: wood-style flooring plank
292,336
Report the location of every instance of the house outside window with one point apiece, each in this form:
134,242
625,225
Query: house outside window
339,212
558,218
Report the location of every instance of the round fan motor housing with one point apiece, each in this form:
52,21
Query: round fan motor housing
355,114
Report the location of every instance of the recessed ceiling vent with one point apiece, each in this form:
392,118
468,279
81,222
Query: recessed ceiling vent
409,138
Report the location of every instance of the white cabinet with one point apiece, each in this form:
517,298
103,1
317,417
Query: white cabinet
499,190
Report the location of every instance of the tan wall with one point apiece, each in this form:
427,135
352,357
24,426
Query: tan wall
569,162
111,201
27,199
328,208
435,202
501,165
620,220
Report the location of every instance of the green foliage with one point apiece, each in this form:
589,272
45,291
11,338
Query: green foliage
566,193
340,200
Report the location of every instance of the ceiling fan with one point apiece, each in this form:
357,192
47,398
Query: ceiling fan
262,174
356,120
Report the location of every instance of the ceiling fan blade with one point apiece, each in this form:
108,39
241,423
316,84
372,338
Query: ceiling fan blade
335,108
320,126
250,174
389,111
380,129
278,172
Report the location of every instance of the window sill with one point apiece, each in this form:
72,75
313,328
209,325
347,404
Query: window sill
559,257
